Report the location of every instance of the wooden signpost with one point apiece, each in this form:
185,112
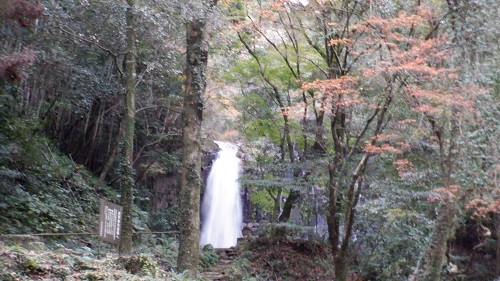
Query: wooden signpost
110,221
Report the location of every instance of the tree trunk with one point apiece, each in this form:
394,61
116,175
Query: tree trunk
333,199
319,130
433,260
287,208
112,157
196,56
334,168
127,176
277,202
336,174
430,267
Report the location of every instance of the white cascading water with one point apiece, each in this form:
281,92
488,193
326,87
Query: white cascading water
221,208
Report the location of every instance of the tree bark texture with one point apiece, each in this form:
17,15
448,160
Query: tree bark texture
196,68
287,208
277,202
127,176
432,262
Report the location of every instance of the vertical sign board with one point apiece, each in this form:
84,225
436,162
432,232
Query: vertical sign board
110,221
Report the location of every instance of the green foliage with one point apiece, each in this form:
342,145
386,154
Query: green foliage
275,67
208,257
262,201
141,264
75,86
394,217
76,83
163,163
20,142
242,269
236,10
258,117
41,190
164,220
162,247
264,128
388,240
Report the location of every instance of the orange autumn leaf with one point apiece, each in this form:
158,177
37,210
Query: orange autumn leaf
402,166
484,206
342,85
374,149
448,193
340,41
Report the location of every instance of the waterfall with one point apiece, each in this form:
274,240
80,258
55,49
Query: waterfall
221,208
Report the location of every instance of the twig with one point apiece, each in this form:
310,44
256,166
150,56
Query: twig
72,33
272,269
109,51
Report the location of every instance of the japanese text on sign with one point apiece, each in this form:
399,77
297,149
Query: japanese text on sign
110,218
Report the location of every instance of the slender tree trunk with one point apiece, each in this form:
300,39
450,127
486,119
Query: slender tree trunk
340,260
127,176
319,130
432,263
287,208
196,56
277,202
430,267
334,168
304,124
350,200
332,219
114,152
294,194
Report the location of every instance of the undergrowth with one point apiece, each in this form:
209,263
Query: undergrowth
32,261
41,190
267,258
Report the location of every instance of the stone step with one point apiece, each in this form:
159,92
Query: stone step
226,250
215,276
219,272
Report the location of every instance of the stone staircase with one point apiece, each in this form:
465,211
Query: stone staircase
221,270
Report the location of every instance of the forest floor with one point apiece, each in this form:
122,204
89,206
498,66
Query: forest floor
30,258
285,259
261,258
270,258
